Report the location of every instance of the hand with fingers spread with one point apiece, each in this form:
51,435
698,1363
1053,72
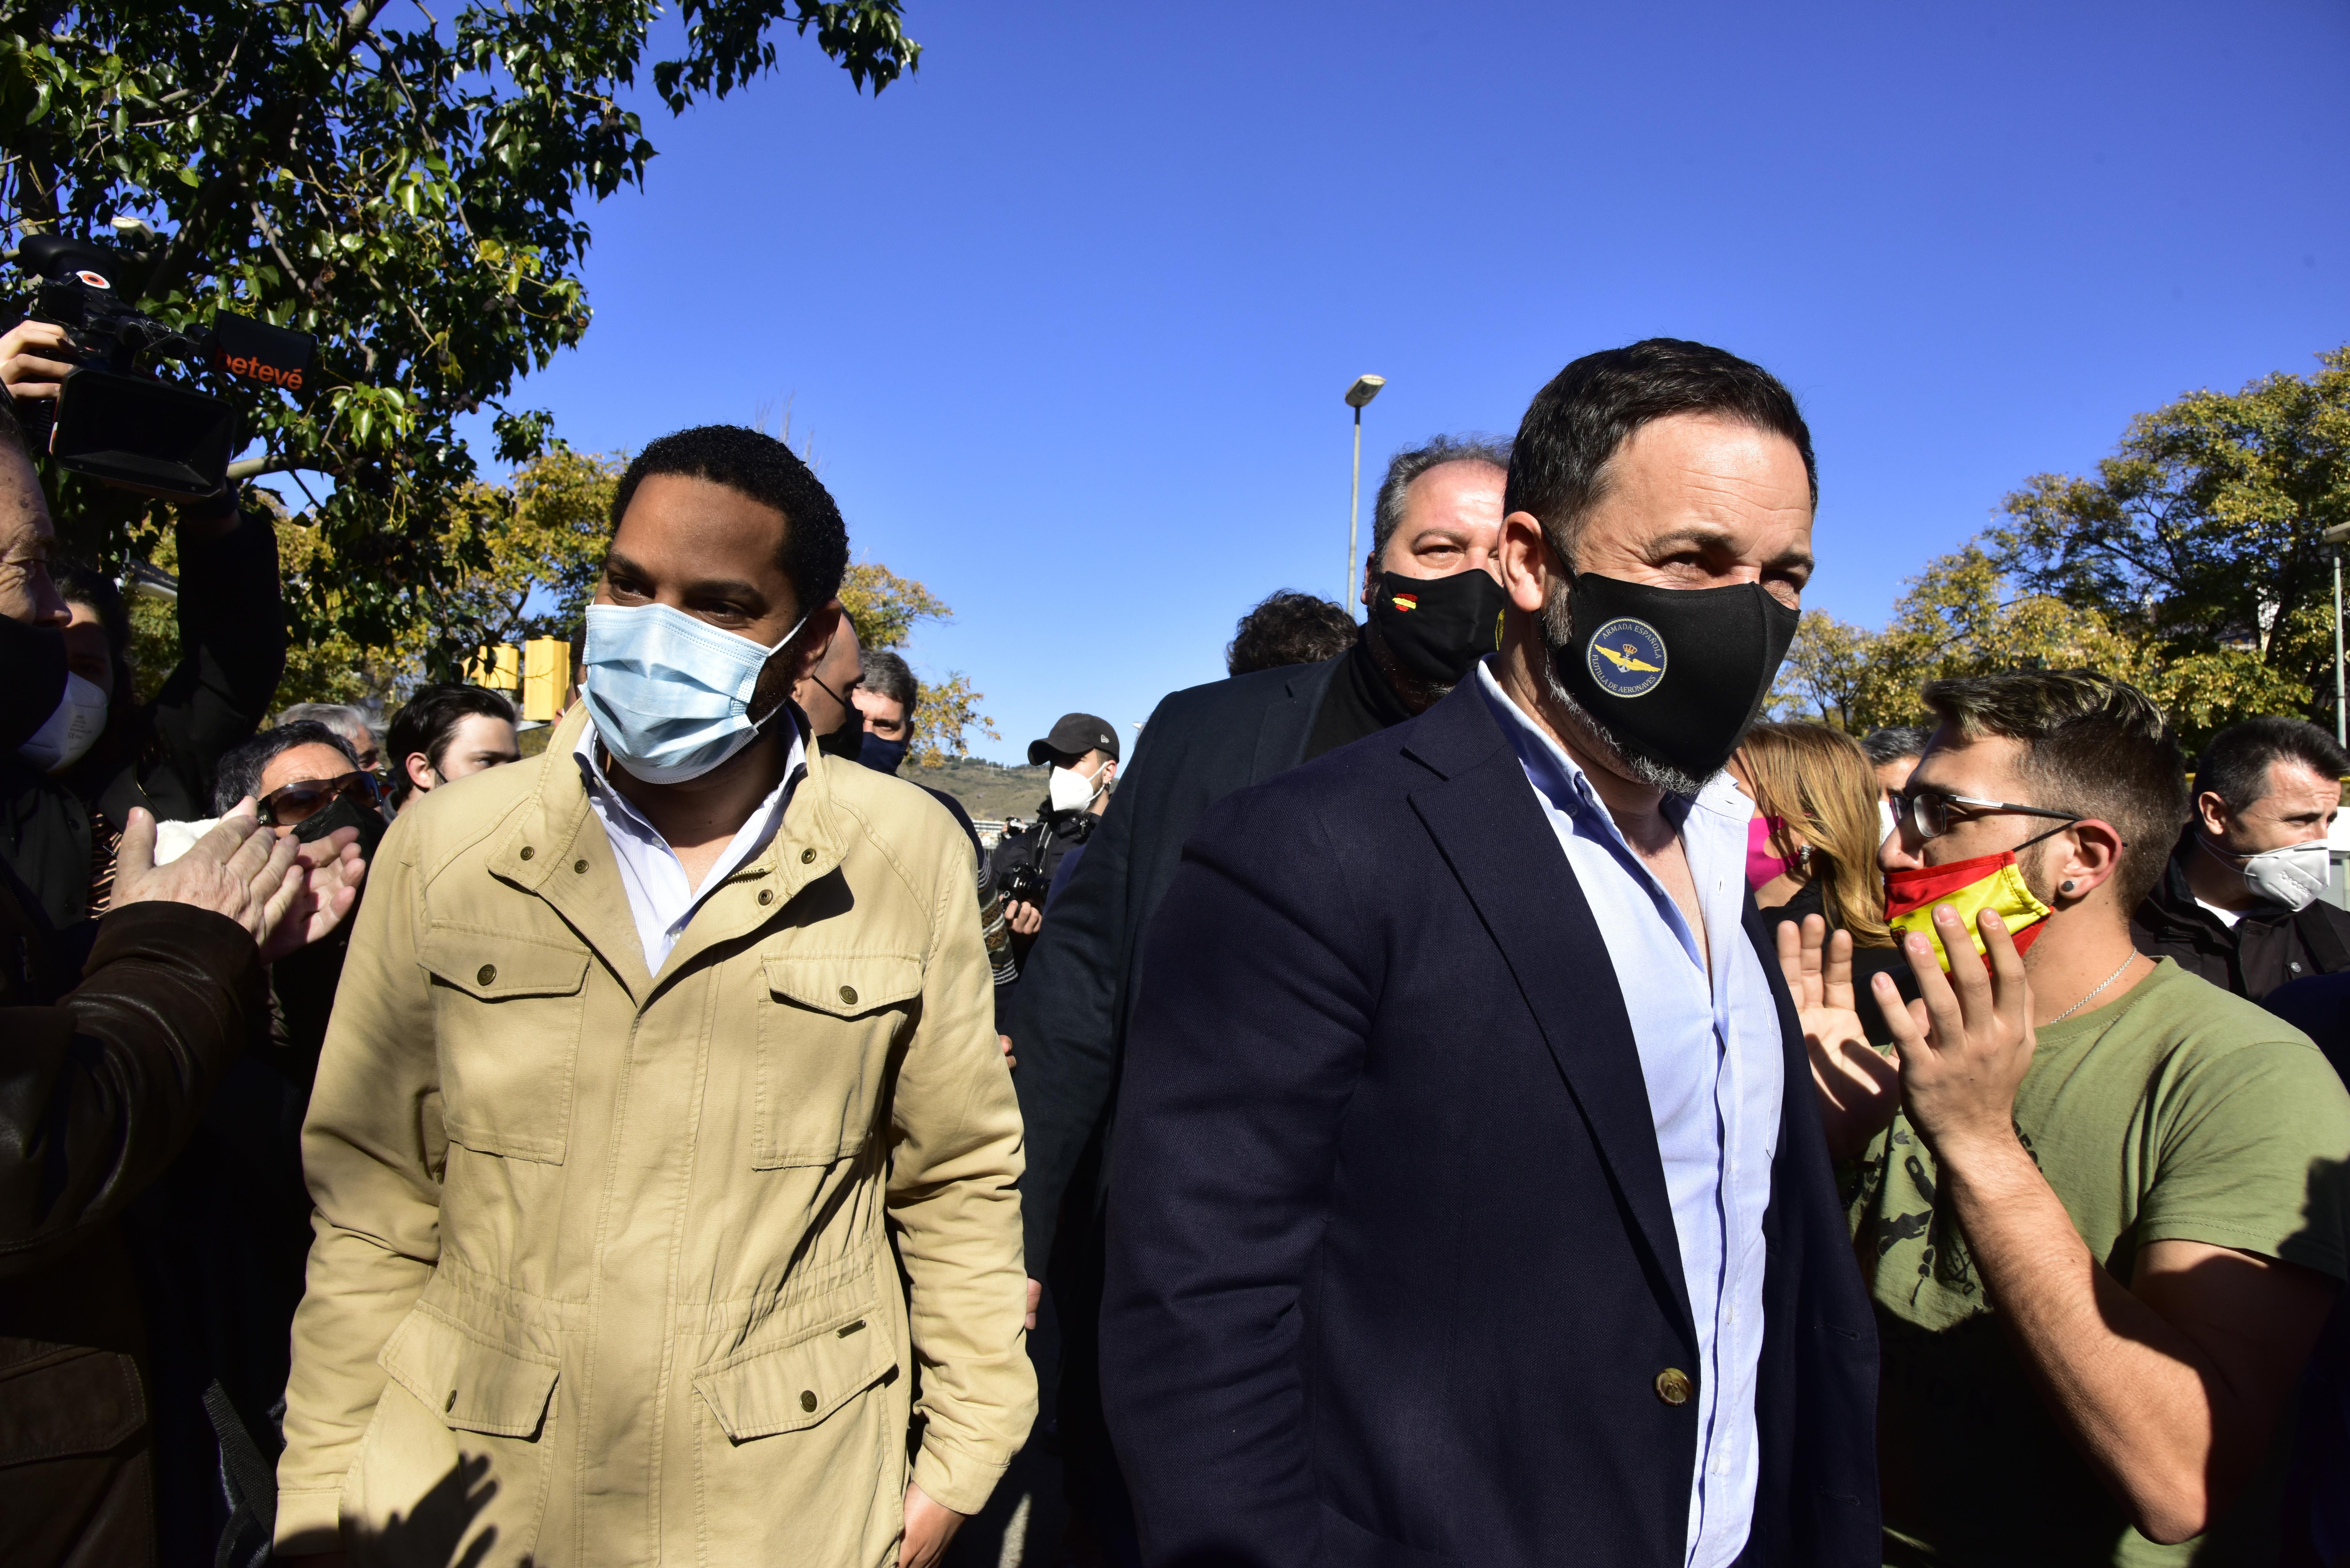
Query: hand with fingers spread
239,870
332,870
1859,1089
1966,1044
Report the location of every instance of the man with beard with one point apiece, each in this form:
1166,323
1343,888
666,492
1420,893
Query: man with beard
1433,604
1469,1203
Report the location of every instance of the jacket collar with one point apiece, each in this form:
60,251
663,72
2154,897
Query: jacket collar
1482,814
557,848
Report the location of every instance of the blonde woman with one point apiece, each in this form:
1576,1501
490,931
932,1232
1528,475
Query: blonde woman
1813,844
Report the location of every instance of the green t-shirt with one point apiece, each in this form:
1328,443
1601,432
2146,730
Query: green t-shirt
2180,1112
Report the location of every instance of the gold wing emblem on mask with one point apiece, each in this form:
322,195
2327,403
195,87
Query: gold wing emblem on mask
1628,661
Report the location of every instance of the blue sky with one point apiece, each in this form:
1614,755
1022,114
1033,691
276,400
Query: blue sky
1068,315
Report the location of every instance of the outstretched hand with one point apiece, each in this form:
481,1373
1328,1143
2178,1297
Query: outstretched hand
332,870
1967,1041
1858,1088
287,894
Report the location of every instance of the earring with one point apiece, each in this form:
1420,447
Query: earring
2064,886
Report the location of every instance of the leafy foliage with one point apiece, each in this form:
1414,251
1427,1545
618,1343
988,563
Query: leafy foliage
2201,532
408,194
884,607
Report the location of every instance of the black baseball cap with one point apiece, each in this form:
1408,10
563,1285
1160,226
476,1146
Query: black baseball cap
1074,735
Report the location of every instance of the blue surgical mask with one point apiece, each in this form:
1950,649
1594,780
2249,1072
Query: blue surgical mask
670,695
881,755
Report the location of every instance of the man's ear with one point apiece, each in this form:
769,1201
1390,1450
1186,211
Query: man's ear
2086,855
2211,813
419,771
1526,563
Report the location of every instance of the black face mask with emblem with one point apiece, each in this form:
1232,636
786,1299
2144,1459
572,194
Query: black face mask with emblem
1438,627
1679,673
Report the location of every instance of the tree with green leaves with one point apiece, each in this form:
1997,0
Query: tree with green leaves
883,607
406,188
2200,534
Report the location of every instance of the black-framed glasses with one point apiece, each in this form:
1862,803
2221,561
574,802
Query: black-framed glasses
298,802
1928,811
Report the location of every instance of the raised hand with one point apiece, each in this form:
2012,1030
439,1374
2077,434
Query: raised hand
1858,1088
1967,1042
239,870
332,871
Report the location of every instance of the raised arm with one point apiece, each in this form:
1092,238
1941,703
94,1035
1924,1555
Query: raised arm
1246,1042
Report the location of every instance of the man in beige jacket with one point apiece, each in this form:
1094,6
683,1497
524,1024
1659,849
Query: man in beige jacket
663,1150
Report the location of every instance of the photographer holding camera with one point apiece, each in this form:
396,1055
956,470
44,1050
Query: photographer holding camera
67,794
1083,752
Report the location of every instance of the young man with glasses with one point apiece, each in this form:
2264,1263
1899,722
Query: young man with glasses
2107,1219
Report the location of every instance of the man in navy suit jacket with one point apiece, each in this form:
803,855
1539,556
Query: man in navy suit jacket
1469,1203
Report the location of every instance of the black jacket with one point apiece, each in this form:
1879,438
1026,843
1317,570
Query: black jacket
2270,947
232,651
1069,1022
1393,1274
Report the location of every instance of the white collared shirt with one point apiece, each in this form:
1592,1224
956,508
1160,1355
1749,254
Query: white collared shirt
659,897
1710,1054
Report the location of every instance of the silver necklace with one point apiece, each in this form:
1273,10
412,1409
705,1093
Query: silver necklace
2092,996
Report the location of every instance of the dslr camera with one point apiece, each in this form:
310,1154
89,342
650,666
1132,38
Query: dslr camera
1024,882
112,418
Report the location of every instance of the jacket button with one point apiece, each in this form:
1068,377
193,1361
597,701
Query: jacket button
487,975
808,1399
848,994
450,1402
527,852
807,856
579,867
1673,1385
766,895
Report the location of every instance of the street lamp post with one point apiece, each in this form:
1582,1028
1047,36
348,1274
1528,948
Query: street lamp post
1365,388
2334,537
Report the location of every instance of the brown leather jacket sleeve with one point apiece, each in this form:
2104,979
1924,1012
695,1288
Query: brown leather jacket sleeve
101,1091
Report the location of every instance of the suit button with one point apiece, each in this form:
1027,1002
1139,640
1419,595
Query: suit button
808,1399
848,994
807,856
488,974
1673,1385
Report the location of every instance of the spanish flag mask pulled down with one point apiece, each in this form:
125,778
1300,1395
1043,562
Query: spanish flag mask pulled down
1969,887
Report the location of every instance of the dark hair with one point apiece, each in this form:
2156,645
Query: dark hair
1575,426
1894,743
83,585
2235,762
878,670
427,724
1289,627
1387,508
814,549
2091,744
239,773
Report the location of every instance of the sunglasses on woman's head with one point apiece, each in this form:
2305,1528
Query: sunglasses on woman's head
299,802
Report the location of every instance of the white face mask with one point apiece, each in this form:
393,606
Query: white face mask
1073,790
2294,875
71,730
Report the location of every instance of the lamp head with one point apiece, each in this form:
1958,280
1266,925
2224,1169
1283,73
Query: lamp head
1365,388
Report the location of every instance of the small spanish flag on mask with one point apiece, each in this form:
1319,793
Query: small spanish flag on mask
1404,601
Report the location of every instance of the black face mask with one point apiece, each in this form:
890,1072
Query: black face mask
845,743
880,754
1680,673
1438,627
345,811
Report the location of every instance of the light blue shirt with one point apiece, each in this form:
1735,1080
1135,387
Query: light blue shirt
1711,1055
661,900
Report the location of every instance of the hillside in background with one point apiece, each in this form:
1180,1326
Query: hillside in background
987,790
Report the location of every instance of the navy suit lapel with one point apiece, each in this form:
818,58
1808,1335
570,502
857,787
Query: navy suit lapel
1488,826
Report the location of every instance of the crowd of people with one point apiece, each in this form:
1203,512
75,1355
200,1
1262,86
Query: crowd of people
1469,1090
